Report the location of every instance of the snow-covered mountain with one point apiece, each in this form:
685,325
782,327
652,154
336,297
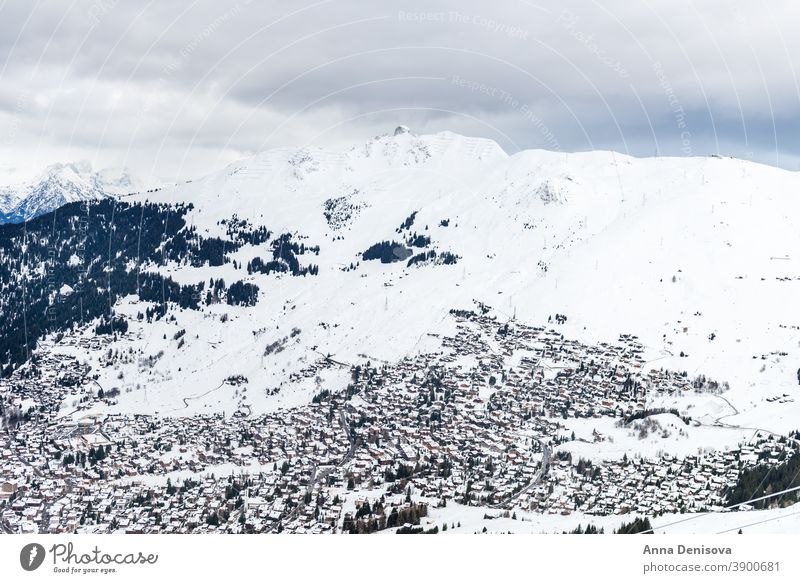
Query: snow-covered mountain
557,299
7,201
698,257
60,184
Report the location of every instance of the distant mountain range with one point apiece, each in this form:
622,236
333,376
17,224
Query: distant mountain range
61,184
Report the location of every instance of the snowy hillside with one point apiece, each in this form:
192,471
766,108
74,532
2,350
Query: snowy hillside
698,257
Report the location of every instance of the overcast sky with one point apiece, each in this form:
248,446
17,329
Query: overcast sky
176,89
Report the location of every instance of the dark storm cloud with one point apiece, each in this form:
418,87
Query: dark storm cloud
174,88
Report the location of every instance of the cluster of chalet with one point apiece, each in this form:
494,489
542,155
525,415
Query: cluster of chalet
476,423
650,487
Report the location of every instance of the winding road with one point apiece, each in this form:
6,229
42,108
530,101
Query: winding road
322,476
547,452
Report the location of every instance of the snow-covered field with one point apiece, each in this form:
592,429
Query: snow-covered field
474,519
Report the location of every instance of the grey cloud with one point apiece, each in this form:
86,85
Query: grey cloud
176,86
